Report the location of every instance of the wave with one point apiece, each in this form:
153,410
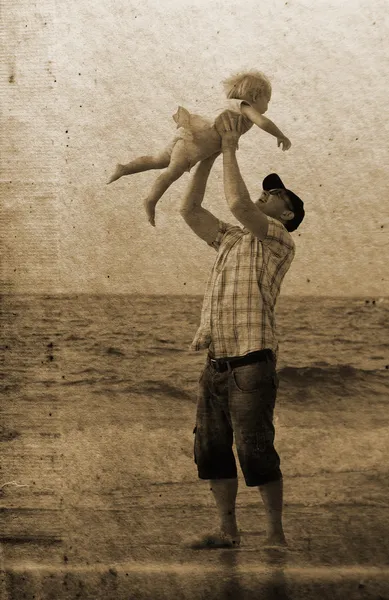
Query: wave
80,382
86,370
164,389
325,370
163,350
330,382
114,351
74,338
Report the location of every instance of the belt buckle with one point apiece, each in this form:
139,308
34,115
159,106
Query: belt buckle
220,365
217,365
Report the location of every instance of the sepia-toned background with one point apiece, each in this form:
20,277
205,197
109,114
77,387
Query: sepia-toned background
98,488
88,84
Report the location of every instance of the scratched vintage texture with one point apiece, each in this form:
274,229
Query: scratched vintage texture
88,84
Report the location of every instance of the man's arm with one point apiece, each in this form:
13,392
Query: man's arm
237,195
200,220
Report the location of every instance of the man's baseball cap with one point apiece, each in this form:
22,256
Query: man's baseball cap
274,182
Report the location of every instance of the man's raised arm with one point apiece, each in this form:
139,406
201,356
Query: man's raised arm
237,195
200,220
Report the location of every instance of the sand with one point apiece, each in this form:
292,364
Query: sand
104,529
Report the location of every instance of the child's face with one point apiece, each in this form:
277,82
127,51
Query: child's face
261,104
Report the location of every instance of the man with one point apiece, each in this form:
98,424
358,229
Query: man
238,387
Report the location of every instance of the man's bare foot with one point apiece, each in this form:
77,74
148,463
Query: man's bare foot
275,541
119,172
150,211
216,540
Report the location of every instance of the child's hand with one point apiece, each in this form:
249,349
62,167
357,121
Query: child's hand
285,142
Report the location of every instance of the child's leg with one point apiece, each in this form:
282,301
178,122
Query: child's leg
179,163
143,163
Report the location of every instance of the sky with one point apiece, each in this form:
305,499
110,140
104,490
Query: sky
88,84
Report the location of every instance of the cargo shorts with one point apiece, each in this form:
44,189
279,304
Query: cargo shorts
237,405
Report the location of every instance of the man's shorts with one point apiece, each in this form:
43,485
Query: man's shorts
238,403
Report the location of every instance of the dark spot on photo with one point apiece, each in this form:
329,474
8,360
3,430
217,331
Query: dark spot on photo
6,435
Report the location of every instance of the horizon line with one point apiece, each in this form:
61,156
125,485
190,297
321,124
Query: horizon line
158,294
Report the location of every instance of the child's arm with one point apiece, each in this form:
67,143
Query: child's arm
267,125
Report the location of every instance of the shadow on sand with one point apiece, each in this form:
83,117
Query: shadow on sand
236,583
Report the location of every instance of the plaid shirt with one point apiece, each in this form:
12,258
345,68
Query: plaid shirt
238,309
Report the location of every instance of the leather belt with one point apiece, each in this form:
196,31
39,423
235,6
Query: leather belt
227,364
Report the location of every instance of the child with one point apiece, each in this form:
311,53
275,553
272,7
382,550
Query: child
196,138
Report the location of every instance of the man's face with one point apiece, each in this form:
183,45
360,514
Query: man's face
274,202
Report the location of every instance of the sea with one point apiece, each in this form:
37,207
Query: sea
141,343
86,371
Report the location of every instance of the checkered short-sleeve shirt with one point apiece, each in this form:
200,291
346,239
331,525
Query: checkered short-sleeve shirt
238,309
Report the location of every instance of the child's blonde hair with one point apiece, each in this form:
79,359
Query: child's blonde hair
247,86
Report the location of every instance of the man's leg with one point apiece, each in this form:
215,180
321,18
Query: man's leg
271,494
253,395
214,456
225,491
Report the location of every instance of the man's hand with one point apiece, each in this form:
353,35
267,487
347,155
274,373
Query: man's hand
229,126
285,142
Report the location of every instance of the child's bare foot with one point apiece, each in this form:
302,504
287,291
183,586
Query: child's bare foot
150,210
119,172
